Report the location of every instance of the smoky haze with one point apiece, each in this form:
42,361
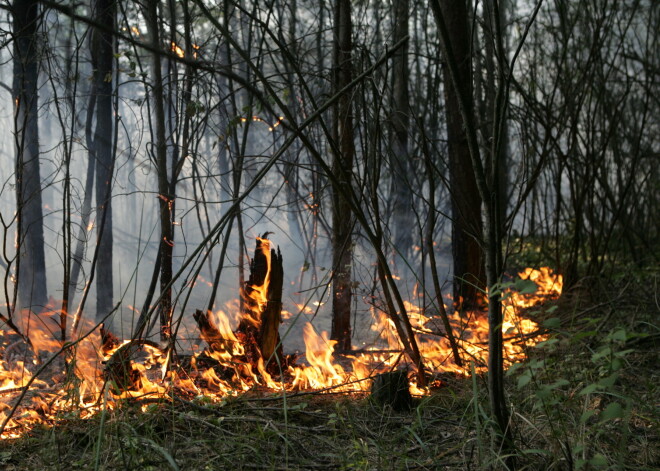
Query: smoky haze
235,85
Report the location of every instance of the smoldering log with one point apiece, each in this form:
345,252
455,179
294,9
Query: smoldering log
259,327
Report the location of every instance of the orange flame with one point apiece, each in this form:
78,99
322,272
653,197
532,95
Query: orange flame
176,49
220,371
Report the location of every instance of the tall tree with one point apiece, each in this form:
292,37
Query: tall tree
400,122
31,266
451,20
494,29
165,197
342,165
102,149
467,227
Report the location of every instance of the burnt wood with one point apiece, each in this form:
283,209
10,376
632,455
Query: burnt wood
391,389
209,331
258,330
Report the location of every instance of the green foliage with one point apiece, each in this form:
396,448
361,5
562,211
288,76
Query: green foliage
574,380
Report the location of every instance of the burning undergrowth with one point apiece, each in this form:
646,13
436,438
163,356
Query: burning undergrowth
43,378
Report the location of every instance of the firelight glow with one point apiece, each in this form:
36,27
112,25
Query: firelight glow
104,370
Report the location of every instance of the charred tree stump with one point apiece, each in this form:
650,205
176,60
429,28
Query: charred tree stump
258,330
271,317
391,389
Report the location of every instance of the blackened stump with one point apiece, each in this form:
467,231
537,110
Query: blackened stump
391,389
258,330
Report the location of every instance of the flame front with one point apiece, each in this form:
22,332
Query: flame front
77,375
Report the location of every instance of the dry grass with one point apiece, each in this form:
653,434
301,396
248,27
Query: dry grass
557,425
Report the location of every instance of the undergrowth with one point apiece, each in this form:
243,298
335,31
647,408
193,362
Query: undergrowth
586,399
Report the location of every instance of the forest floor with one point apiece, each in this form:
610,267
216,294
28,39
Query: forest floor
588,398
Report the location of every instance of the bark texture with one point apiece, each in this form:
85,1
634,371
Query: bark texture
165,197
402,211
467,227
31,266
487,185
342,165
102,53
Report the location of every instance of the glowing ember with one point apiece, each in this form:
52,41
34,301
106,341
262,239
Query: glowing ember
52,377
176,49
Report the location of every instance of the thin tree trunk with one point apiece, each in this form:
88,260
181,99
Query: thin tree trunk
102,52
31,264
492,15
165,199
467,227
402,213
342,222
455,13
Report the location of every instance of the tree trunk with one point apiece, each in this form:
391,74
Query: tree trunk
467,228
342,165
165,199
102,53
492,15
31,266
455,13
402,213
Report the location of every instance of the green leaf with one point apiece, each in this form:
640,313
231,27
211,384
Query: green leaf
608,382
544,392
603,352
546,343
623,353
619,335
552,323
513,368
612,411
582,335
524,380
163,452
589,389
559,383
586,415
526,286
598,460
537,364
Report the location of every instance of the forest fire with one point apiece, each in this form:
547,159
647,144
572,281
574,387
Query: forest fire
42,378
